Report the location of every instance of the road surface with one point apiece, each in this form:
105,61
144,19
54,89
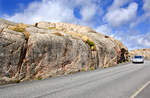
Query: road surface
123,81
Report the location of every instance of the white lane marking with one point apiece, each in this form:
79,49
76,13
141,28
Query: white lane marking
139,90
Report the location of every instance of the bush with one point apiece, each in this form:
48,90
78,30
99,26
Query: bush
92,68
19,28
93,48
17,81
39,78
90,43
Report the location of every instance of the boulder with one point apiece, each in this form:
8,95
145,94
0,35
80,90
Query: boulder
50,49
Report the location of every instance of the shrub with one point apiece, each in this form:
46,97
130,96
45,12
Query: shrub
90,43
92,68
93,48
17,81
39,78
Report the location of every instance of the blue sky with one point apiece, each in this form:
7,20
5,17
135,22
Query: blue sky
125,20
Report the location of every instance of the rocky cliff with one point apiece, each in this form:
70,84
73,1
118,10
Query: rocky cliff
49,49
142,52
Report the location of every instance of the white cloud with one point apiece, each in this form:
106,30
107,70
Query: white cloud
104,29
133,40
145,16
88,12
146,5
47,10
117,4
120,16
144,40
56,11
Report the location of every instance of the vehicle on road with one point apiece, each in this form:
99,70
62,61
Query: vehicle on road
138,59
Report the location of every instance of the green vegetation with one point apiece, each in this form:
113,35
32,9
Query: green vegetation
105,66
52,28
18,28
93,48
39,78
83,69
91,44
92,68
17,81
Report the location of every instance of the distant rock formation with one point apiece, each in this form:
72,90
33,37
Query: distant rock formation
142,52
49,49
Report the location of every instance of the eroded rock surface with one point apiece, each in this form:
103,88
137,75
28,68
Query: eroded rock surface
49,49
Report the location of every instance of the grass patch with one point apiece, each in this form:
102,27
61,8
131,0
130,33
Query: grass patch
52,28
19,28
83,69
105,66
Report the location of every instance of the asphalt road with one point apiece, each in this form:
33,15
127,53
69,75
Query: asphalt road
122,81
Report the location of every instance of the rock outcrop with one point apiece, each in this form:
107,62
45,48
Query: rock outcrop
142,52
49,49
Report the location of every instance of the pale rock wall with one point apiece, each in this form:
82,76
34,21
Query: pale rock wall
49,49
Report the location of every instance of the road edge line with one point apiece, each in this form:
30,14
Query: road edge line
140,89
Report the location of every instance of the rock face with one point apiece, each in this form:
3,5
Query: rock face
50,49
142,52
